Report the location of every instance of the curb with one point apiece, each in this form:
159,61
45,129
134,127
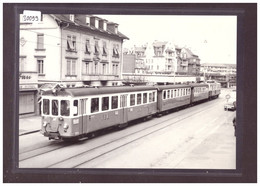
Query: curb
29,132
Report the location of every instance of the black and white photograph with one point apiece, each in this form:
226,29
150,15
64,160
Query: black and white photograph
134,91
139,91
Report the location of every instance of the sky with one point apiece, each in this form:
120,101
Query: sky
212,38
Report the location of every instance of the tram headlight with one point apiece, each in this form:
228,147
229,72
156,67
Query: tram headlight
44,124
66,126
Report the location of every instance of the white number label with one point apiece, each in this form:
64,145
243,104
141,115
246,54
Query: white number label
31,16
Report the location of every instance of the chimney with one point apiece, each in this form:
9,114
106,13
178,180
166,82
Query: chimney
72,17
88,20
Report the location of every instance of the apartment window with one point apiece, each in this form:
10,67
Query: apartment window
85,68
40,41
104,68
115,51
71,67
22,64
87,47
115,69
71,43
96,68
96,48
104,48
40,66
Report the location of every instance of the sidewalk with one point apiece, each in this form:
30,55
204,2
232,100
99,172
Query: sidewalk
29,124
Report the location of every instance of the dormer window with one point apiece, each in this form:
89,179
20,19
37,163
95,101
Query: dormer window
105,25
87,20
96,23
116,29
72,17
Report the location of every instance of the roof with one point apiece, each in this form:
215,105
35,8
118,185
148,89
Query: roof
159,43
78,22
90,91
219,65
78,92
199,85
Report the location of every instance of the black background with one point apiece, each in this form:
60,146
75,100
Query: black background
246,171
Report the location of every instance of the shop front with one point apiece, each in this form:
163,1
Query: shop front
28,93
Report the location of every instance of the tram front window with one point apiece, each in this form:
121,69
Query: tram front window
55,107
65,108
46,107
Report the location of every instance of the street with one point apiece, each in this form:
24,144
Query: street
198,137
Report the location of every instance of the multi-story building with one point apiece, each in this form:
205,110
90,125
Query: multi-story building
155,58
69,49
218,68
187,62
223,73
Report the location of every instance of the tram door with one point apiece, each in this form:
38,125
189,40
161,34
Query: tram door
83,117
123,105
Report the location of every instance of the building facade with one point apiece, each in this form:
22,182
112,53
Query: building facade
70,49
223,73
187,62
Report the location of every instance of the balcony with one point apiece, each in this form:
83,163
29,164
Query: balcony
99,77
184,64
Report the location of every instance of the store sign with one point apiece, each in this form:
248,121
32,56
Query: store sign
28,77
27,87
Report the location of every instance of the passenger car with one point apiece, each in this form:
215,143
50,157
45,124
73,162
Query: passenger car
231,101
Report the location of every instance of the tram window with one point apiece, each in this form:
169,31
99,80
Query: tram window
175,93
55,107
65,107
168,93
105,103
171,93
164,94
46,106
144,97
75,108
139,99
153,96
114,102
94,105
132,99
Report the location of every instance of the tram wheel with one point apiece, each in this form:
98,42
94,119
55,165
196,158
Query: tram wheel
73,139
123,125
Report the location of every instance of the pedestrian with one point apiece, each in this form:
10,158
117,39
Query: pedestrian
234,124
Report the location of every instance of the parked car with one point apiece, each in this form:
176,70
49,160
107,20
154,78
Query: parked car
231,103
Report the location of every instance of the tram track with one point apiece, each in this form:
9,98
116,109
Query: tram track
102,149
